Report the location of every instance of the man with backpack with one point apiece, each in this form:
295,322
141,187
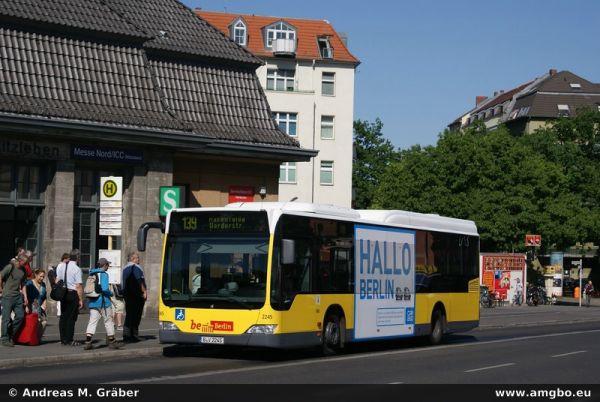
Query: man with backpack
14,299
97,290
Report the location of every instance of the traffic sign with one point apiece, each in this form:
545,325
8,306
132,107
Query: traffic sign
111,206
170,198
111,188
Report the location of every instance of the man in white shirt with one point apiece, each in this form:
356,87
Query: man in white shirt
73,301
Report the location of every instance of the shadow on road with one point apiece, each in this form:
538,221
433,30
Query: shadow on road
276,355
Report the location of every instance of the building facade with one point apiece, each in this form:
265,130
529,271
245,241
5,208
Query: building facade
308,76
532,105
141,90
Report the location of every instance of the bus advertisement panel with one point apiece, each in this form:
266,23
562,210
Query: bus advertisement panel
385,282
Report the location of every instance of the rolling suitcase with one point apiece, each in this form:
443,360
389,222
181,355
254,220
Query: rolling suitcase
30,332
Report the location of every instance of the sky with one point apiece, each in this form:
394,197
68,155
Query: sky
424,62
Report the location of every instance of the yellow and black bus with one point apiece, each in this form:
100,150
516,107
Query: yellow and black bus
291,275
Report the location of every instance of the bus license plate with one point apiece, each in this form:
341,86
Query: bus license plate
219,340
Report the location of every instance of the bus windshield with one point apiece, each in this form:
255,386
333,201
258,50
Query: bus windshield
215,272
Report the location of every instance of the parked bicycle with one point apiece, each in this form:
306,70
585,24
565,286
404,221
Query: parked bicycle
485,298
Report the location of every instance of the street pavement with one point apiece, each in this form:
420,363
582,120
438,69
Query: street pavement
52,352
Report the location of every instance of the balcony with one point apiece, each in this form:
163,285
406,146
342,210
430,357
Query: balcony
284,47
327,52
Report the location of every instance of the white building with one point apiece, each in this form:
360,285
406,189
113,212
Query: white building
308,78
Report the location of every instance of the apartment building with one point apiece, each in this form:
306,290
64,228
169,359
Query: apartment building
533,104
308,77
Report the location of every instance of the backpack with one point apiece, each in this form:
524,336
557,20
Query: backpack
92,287
117,290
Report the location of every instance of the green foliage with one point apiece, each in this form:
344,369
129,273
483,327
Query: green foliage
373,154
546,183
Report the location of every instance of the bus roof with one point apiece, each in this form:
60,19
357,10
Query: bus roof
404,219
399,218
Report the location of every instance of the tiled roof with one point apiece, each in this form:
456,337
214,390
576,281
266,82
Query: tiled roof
501,98
167,24
61,77
174,29
540,97
307,33
128,84
92,15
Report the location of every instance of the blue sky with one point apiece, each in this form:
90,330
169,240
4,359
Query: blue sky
423,63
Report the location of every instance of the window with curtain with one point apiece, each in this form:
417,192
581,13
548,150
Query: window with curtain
327,127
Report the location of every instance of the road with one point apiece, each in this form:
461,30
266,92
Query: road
543,354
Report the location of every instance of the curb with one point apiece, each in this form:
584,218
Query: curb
536,324
84,356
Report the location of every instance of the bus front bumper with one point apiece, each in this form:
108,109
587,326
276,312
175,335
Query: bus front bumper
280,341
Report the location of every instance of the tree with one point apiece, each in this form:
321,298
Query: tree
501,182
373,154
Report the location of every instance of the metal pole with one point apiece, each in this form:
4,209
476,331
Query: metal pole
580,280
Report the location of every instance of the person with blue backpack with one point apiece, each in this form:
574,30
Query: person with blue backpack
98,292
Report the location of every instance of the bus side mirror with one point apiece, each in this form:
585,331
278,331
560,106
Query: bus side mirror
142,233
288,251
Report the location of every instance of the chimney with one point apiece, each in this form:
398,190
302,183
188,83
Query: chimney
552,71
344,38
479,99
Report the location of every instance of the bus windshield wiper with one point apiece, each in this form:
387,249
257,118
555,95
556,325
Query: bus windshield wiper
240,302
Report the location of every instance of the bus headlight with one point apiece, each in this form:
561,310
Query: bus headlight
167,326
262,329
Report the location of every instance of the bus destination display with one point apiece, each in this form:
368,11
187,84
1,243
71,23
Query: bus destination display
217,222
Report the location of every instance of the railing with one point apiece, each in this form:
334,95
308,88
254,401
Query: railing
284,46
327,52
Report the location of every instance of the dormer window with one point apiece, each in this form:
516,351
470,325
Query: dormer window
325,48
238,32
280,30
563,111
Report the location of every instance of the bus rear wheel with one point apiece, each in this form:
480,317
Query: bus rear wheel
333,342
437,327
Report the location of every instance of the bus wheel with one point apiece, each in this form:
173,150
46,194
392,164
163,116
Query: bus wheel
437,327
332,334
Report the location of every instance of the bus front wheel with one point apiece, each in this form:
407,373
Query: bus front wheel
333,334
437,327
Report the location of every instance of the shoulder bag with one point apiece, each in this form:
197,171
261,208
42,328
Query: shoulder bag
59,290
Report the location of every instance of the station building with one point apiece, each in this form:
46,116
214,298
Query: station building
143,90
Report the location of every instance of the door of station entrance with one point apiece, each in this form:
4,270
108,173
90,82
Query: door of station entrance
20,226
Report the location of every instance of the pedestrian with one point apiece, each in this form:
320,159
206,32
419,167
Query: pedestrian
28,270
135,295
101,307
37,295
14,298
588,290
118,305
52,277
519,292
73,300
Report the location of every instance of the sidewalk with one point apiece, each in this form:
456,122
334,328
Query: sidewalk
571,301
51,351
